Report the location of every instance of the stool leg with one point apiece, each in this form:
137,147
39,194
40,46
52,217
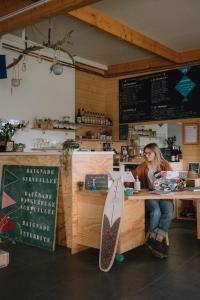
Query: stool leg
167,239
147,236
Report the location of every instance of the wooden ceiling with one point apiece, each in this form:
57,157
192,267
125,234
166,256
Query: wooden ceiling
37,14
79,9
9,6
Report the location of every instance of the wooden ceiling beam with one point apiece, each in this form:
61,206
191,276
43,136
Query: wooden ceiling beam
37,14
9,6
138,66
103,22
146,65
190,56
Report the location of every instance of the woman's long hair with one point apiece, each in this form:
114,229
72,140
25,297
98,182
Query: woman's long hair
159,159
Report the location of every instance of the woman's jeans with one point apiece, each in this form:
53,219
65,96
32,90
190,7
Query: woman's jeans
161,213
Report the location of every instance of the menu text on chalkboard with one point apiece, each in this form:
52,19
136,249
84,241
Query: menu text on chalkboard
28,204
165,95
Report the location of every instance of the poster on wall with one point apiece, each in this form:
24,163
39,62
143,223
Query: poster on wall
160,96
3,71
28,205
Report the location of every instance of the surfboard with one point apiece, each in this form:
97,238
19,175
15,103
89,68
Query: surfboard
111,222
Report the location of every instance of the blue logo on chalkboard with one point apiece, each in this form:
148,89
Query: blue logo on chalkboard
185,86
185,70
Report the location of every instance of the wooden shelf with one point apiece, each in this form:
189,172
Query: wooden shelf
94,140
186,219
92,125
53,129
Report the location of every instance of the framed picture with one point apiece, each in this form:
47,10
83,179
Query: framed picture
9,146
194,166
190,134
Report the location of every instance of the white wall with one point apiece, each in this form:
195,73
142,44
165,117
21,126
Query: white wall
41,94
175,129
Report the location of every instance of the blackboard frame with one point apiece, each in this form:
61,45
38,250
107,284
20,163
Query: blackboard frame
140,101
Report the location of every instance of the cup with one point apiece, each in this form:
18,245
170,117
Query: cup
128,191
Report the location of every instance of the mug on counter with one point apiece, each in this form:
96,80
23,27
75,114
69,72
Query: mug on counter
128,191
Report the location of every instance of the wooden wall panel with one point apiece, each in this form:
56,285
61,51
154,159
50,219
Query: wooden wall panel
78,166
90,92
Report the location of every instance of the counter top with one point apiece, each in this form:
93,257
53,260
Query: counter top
145,194
93,152
38,153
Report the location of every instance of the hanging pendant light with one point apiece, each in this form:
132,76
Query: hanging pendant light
57,69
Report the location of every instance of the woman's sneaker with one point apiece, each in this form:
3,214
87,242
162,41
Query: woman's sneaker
158,249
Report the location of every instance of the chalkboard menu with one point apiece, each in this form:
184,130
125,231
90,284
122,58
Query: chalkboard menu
28,205
161,96
100,180
123,131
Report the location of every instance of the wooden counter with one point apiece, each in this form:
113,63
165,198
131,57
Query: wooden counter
90,206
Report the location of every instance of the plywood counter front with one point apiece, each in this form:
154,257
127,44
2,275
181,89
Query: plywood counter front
72,169
90,210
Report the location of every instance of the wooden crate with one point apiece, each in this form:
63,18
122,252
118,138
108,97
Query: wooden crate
4,259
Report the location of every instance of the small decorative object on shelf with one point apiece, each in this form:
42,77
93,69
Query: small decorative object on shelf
49,124
81,185
19,147
10,146
93,186
92,118
141,131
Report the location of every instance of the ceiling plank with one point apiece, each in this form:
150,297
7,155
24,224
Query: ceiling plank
107,24
143,65
190,56
8,6
37,14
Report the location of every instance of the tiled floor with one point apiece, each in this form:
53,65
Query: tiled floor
34,274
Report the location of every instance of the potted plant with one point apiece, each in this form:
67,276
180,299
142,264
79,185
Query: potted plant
7,131
170,141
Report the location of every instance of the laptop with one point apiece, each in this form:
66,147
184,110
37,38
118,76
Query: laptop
169,181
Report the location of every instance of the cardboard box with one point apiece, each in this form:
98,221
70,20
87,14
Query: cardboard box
194,182
4,259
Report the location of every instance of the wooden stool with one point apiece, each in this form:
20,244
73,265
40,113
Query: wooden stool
166,238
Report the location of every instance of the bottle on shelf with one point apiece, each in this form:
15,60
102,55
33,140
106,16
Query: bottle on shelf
86,117
176,154
82,115
78,117
180,153
172,154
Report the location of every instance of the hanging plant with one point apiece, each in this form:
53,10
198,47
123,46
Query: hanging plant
68,147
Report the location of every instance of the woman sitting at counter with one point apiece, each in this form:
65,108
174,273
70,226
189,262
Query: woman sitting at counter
160,211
